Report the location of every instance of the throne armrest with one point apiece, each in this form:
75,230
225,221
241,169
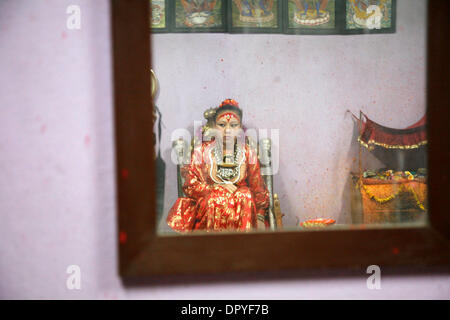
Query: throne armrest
265,159
181,149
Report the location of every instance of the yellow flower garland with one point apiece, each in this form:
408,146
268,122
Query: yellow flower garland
380,200
393,196
416,197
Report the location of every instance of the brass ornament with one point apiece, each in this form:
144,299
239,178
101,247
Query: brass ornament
154,85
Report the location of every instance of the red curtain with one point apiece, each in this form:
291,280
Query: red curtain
411,137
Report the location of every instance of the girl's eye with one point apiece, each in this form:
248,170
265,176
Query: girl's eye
221,125
234,125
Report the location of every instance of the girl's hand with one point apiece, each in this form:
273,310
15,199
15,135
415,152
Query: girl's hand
230,187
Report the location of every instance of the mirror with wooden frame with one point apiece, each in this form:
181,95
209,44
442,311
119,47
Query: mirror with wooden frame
339,157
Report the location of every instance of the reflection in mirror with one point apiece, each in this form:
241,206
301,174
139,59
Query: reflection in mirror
273,132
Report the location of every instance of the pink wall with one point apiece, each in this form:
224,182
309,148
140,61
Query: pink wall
57,192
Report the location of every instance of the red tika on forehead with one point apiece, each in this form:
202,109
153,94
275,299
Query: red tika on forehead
228,116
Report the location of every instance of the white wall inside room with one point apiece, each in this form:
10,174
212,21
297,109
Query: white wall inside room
302,86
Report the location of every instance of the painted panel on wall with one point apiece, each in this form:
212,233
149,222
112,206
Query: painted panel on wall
190,14
369,15
312,14
255,14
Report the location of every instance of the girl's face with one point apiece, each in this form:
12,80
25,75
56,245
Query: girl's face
229,125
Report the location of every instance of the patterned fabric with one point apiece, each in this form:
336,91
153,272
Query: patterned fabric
213,208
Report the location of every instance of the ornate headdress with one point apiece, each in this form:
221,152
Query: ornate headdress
229,105
229,102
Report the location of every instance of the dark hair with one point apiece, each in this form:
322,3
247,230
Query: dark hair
228,107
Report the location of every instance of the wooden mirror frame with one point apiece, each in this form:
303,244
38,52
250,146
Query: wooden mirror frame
143,253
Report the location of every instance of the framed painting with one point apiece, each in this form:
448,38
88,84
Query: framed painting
312,17
159,16
199,16
304,198
250,16
370,16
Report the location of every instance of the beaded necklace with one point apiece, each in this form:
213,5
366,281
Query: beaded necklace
229,169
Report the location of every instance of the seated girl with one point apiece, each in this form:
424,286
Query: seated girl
223,184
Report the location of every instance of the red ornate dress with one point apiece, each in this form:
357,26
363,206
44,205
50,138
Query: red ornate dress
213,208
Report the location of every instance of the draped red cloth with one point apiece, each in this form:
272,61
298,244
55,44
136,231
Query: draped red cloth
213,208
411,137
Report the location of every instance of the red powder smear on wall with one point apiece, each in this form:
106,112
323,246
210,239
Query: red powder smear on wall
124,173
122,237
87,140
395,251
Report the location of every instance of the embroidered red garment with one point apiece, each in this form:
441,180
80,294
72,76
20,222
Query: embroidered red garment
411,137
214,208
